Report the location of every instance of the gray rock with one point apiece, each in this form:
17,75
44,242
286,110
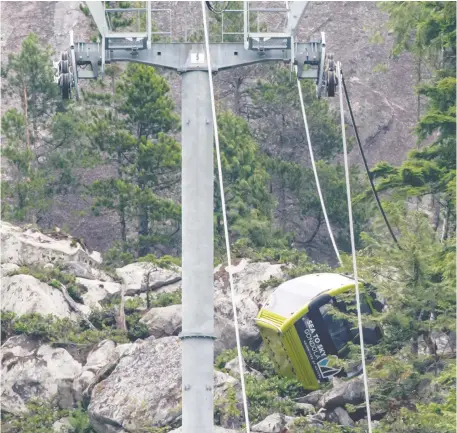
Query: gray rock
62,426
30,247
98,291
24,294
84,270
247,277
33,371
160,280
224,325
274,423
312,398
340,416
7,268
444,344
305,409
145,389
351,392
163,321
100,356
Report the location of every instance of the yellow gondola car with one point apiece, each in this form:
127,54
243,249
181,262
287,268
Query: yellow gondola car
302,335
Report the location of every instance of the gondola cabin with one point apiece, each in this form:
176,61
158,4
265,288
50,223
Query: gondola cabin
301,331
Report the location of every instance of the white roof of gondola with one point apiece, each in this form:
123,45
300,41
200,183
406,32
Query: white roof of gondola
294,294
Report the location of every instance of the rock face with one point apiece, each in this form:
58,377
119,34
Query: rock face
98,291
159,280
164,321
342,393
24,294
341,417
274,423
31,247
33,371
142,390
101,355
145,389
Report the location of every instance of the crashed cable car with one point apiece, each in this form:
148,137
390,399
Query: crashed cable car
303,334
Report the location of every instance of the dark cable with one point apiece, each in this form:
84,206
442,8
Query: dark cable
370,176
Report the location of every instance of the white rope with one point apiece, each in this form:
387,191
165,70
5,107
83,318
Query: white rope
311,154
224,216
354,257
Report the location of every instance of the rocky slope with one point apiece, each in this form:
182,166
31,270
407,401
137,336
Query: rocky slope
128,387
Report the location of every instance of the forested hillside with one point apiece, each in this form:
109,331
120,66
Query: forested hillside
74,323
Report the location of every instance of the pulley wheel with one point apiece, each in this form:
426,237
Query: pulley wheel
331,83
64,66
65,85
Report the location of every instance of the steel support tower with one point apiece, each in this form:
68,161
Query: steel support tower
87,61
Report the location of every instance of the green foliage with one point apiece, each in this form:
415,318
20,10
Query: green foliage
164,262
135,328
49,276
131,135
301,425
427,29
41,416
258,361
52,329
41,158
272,395
276,101
79,421
249,204
165,299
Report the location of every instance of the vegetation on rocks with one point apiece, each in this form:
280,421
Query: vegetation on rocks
129,127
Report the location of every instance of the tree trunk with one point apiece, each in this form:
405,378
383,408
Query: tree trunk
143,230
123,225
27,132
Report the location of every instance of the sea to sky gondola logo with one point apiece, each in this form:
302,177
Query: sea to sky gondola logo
315,349
327,371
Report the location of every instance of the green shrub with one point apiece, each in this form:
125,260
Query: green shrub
164,262
164,299
53,277
79,421
272,395
53,329
41,416
136,329
258,361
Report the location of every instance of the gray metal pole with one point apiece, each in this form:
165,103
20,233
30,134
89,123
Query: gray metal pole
197,254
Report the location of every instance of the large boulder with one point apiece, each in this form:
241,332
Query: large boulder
145,389
101,355
163,321
24,294
274,423
224,326
98,291
340,417
84,270
247,278
344,392
31,370
8,268
141,391
137,275
30,247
